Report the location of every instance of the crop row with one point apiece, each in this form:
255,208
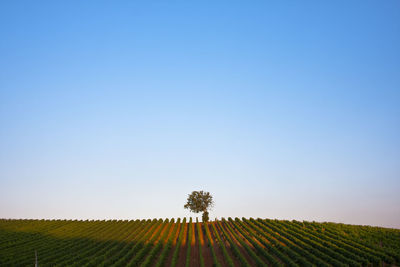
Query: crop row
226,242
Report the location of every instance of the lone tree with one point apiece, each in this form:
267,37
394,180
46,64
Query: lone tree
200,201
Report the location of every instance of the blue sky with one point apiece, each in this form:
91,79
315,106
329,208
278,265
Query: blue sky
280,110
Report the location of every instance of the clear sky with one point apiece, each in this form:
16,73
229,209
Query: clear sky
285,109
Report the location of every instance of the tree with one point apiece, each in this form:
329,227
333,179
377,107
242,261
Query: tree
200,201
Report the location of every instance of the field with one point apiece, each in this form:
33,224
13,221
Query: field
226,242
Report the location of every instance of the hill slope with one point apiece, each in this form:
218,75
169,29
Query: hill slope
245,242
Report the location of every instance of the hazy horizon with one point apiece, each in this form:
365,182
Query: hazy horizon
280,110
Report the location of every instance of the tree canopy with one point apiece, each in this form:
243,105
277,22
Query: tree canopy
200,201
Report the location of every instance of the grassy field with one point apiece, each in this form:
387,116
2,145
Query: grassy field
226,242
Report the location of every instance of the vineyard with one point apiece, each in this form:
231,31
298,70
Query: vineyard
226,242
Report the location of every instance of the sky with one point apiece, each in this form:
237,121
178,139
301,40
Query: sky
280,109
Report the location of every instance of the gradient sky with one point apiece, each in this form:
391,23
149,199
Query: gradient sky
286,110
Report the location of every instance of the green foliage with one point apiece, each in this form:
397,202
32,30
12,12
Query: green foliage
252,254
152,243
246,232
152,254
200,246
189,244
284,252
223,247
199,201
178,244
168,246
210,245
